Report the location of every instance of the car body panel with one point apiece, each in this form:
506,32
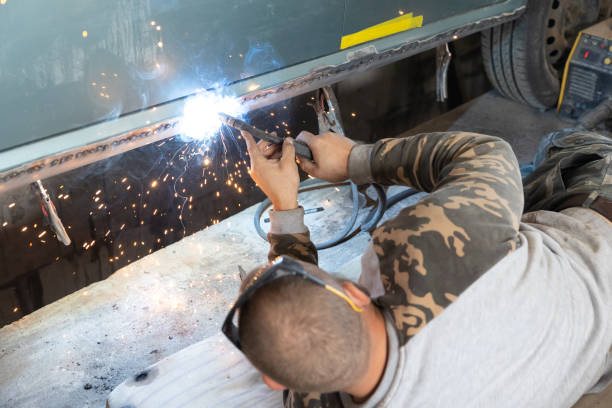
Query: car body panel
68,98
87,61
360,14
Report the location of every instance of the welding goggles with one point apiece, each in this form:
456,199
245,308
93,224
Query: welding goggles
284,266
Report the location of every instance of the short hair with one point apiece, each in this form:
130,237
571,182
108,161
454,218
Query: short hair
303,336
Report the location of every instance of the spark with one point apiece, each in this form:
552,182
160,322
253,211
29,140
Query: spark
11,205
200,114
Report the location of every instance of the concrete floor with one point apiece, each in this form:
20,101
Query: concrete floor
75,351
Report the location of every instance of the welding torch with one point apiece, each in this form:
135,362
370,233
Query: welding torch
301,149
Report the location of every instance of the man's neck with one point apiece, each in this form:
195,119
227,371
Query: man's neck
368,383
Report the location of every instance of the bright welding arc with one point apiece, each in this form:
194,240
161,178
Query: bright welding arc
201,114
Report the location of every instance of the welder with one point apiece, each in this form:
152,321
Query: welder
490,291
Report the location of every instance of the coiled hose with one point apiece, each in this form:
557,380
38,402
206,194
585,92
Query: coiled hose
368,224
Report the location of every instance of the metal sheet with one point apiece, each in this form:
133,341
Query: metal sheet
44,157
360,13
70,63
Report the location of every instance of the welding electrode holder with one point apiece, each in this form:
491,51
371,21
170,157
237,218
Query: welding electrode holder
301,149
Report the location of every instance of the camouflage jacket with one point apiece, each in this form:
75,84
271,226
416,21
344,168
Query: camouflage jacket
433,250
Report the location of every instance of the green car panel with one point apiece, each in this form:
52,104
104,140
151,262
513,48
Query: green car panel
83,80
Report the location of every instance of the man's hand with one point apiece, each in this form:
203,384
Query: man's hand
276,175
330,152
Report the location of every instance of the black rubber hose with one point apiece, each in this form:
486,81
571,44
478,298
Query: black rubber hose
308,185
369,223
377,212
394,199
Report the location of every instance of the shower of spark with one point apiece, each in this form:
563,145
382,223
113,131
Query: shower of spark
200,115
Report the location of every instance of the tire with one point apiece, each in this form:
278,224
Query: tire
524,58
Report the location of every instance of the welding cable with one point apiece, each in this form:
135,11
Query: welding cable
396,198
309,185
369,223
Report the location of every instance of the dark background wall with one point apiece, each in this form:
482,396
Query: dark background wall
121,209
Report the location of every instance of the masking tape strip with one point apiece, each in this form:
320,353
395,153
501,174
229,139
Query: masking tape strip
393,26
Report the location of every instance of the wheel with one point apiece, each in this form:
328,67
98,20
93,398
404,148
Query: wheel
524,59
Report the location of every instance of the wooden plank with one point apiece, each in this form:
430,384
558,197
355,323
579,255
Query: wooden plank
210,373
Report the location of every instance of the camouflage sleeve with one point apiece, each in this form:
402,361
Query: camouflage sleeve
298,246
292,399
289,236
435,249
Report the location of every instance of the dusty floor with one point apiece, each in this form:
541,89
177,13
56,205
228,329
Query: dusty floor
73,352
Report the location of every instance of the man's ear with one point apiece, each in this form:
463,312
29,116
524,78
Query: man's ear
356,295
272,384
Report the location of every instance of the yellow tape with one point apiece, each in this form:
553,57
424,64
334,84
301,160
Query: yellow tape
566,71
394,26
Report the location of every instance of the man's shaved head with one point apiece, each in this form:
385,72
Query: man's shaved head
302,335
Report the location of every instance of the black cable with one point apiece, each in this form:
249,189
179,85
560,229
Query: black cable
310,185
368,224
396,198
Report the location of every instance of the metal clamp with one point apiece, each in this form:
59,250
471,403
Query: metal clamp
51,215
328,111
